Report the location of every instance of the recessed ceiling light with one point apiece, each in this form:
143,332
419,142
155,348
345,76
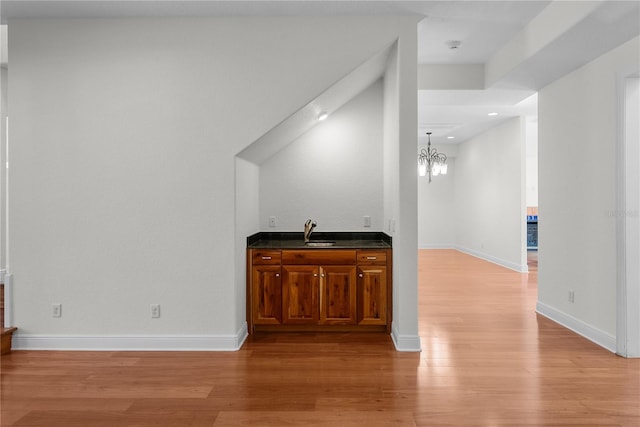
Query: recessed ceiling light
322,116
451,137
492,114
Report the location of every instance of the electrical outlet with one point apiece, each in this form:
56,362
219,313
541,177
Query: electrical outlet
367,221
56,310
572,296
155,310
272,221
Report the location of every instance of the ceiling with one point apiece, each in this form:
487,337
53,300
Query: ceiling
486,30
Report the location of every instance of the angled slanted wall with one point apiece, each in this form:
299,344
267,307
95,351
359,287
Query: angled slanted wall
124,135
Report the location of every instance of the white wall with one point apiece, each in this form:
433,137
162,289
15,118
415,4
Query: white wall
577,164
479,206
490,195
400,187
436,207
532,161
391,142
247,205
4,75
123,179
332,174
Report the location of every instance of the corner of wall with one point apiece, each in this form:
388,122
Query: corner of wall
578,326
409,343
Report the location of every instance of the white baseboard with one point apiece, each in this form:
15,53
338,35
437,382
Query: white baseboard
131,342
495,260
581,328
405,342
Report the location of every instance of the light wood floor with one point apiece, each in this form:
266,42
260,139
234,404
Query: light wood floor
487,360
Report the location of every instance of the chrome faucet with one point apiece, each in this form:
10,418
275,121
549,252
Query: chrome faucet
308,229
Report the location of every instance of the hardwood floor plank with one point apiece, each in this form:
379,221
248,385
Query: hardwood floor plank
316,419
487,360
112,419
21,407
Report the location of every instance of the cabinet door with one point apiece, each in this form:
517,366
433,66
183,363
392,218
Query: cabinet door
338,295
372,295
266,295
300,294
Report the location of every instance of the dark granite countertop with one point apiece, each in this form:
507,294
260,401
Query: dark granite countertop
342,239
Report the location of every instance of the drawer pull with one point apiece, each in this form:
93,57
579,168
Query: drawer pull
266,258
372,257
360,275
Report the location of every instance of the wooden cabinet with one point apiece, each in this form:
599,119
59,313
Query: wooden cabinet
372,288
300,294
324,295
372,295
338,295
266,288
318,289
266,295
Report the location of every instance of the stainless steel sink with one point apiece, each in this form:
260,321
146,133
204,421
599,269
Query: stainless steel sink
320,243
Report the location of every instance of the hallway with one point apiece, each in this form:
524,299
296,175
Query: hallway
497,359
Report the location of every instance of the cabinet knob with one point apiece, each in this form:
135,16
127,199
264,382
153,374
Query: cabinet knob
277,274
322,275
360,275
315,274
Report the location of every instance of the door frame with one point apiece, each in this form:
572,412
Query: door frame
627,213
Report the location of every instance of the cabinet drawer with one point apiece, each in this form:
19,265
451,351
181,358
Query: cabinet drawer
265,257
318,256
372,257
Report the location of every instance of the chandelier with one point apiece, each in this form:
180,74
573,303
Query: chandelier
431,162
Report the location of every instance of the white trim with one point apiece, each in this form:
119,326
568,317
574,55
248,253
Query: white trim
501,262
581,328
621,205
8,300
627,190
6,198
131,342
2,273
631,214
405,342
